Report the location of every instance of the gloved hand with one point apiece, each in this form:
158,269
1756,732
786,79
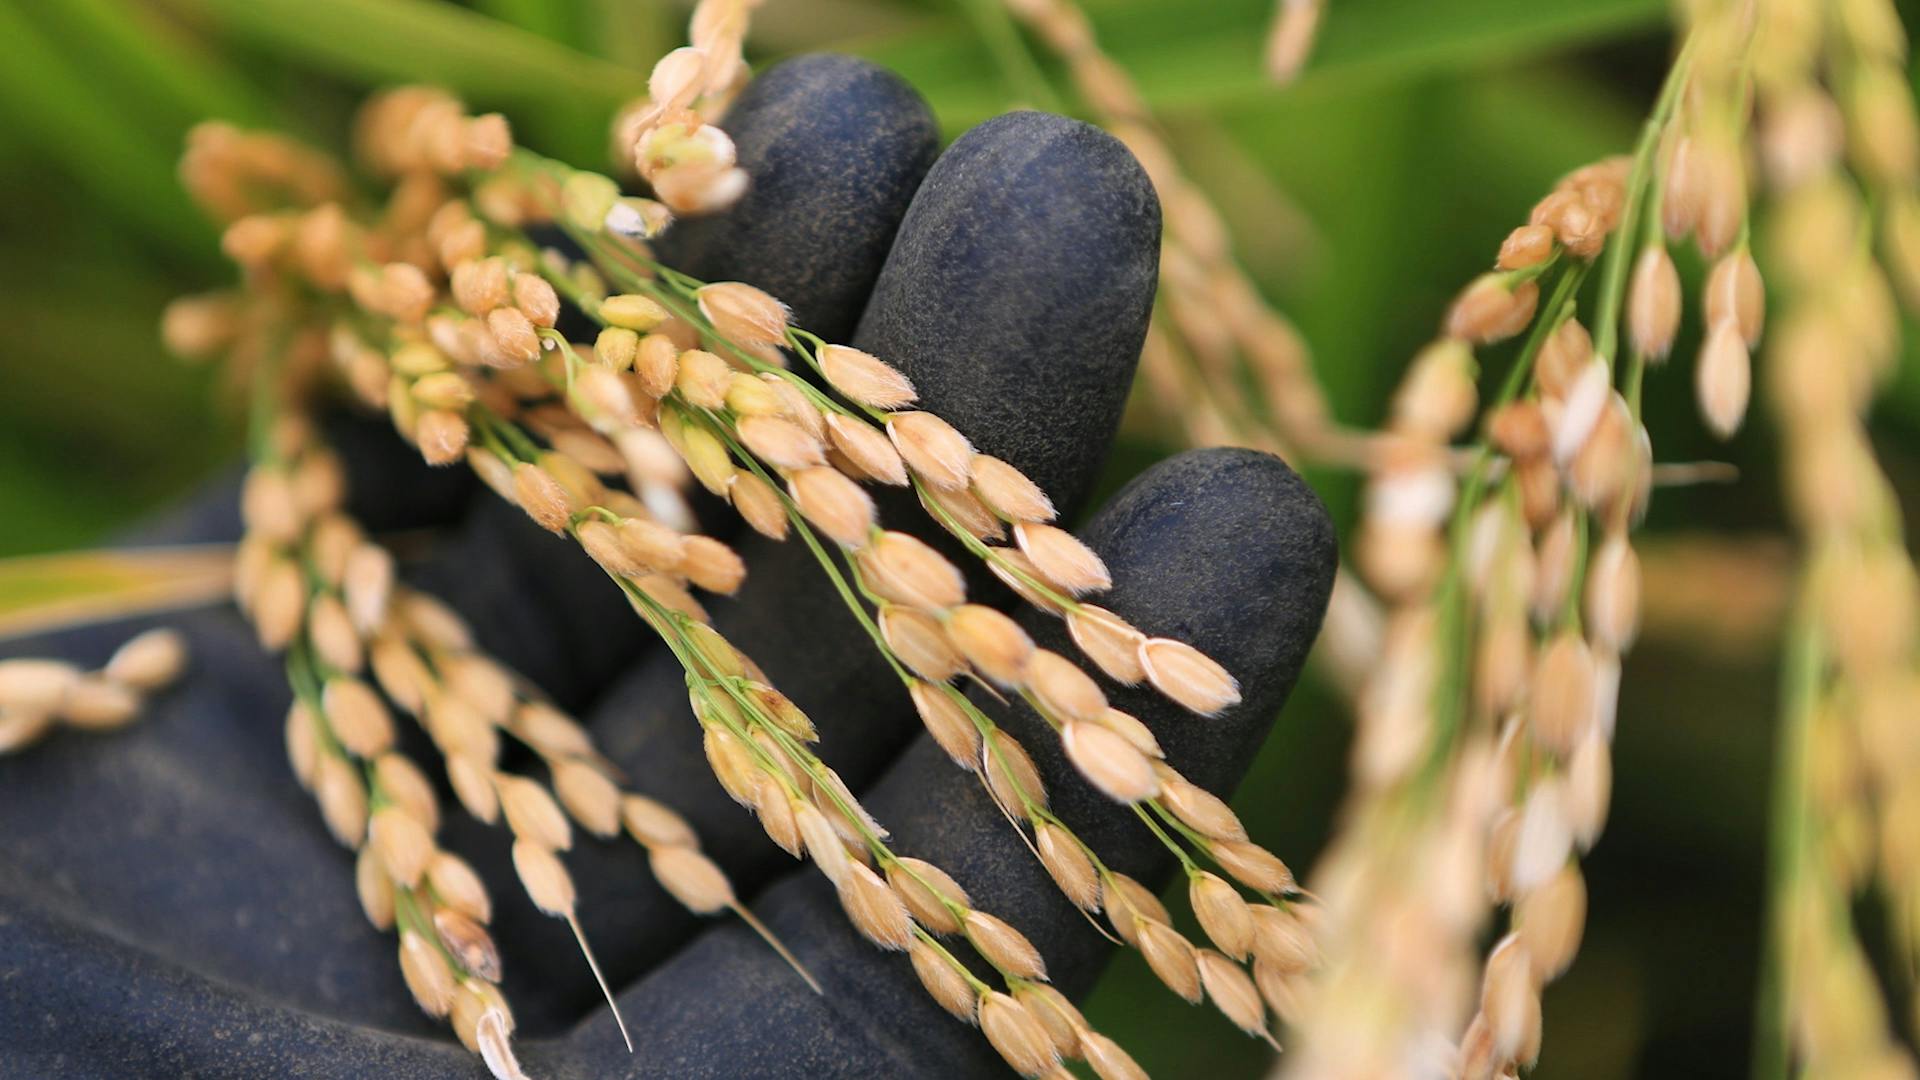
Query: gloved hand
171,904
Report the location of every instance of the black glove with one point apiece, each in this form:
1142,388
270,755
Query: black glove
171,904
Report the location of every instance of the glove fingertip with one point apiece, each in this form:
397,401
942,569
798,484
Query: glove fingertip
1018,291
835,147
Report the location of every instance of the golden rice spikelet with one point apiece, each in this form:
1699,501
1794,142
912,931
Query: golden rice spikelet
374,888
1723,378
268,506
693,879
1129,727
1223,914
331,632
403,844
1550,921
1008,492
1509,1000
823,844
1653,303
342,798
541,496
780,443
1109,1061
656,363
1560,701
833,504
473,1001
1613,593
1171,957
516,340
1112,643
544,877
1109,761
865,379
633,312
918,641
1589,789
968,512
587,794
993,643
427,975
732,764
947,723
1062,558
1253,866
1068,865
1543,836
531,813
1021,1040
468,943
1188,676
149,660
1736,291
759,505
1199,809
604,400
1018,572
1491,310
945,985
1011,774
742,313
932,448
1232,991
459,887
1436,397
654,824
602,543
1281,939
712,565
869,449
532,295
302,744
1063,690
402,782
1128,905
367,583
774,810
906,570
33,685
652,544
1528,245
617,347
874,909
1058,1015
357,716
94,703
929,893
470,777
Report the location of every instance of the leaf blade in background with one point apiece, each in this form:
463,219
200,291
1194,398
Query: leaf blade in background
65,114
422,41
50,592
151,68
1187,56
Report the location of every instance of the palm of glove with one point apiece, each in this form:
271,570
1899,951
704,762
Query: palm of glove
170,903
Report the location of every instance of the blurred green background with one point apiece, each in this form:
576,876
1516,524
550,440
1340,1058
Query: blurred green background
1361,198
